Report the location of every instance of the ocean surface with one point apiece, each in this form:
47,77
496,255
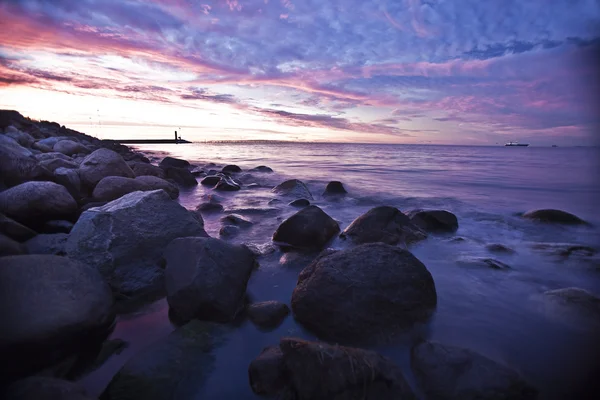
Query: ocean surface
499,313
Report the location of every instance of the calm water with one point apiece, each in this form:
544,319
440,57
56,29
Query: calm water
497,313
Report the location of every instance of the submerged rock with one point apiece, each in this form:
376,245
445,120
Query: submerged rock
364,293
231,168
309,228
434,220
173,162
565,249
206,278
499,248
261,168
484,262
554,216
15,230
211,180
293,188
383,224
125,238
237,220
100,164
301,370
51,306
228,185
45,388
334,188
268,314
210,207
447,372
300,203
578,303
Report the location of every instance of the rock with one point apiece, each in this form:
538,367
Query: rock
447,372
198,172
237,220
293,188
15,230
227,184
206,278
52,156
300,203
231,168
57,226
47,244
334,188
100,164
23,138
52,164
211,180
298,260
228,231
10,117
554,216
113,187
434,220
261,168
69,178
309,228
578,301
10,247
484,262
209,208
383,224
50,141
125,238
33,203
45,388
145,169
41,147
51,308
274,201
173,162
268,314
69,147
499,248
17,164
173,368
302,370
364,293
181,176
565,249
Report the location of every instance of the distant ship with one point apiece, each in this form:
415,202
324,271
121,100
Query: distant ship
516,144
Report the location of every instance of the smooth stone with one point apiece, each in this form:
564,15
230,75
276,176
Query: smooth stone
554,216
10,247
69,178
261,168
231,168
484,262
274,201
300,203
210,180
47,243
206,278
182,176
173,162
309,228
267,314
113,187
52,156
447,372
210,208
45,388
15,230
100,164
55,163
293,188
146,169
69,147
434,221
334,188
383,224
237,220
365,293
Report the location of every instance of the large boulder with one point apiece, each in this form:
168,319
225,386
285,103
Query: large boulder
146,169
309,228
33,203
434,220
100,164
69,147
383,224
174,368
10,117
18,165
125,239
173,162
50,308
447,372
554,216
155,183
301,370
15,230
45,388
293,188
113,187
365,293
206,278
182,176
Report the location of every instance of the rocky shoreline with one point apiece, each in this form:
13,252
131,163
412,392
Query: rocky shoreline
89,228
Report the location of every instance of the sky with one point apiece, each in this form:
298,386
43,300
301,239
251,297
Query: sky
392,71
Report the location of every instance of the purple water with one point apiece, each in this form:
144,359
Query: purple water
497,313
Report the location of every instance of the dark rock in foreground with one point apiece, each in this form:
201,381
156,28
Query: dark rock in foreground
50,306
309,228
268,314
447,372
293,188
334,188
210,180
45,388
434,221
173,162
100,164
364,293
206,278
554,216
231,168
383,224
174,368
302,370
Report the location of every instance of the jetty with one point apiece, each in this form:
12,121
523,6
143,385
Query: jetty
176,140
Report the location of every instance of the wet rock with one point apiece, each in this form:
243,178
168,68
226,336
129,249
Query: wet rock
447,372
45,388
309,228
69,178
211,180
554,216
174,368
17,164
565,249
113,187
210,208
69,147
383,224
499,248
229,231
334,188
57,226
227,185
10,247
212,172
434,221
300,203
173,162
302,370
52,156
15,230
146,169
125,239
293,188
365,293
47,244
198,172
100,164
578,301
54,163
484,262
206,278
182,176
261,249
231,168
237,220
274,201
261,168
33,203
57,305
268,314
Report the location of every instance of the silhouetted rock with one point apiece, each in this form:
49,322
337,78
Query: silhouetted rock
15,230
210,180
206,278
268,314
302,370
261,168
383,224
300,203
53,244
145,169
10,247
364,293
231,168
434,220
293,188
309,228
46,388
173,162
18,165
554,216
100,164
182,176
447,372
334,188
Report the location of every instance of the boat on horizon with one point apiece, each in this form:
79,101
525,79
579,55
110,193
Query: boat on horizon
516,144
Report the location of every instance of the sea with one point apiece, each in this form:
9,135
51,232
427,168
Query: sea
500,313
